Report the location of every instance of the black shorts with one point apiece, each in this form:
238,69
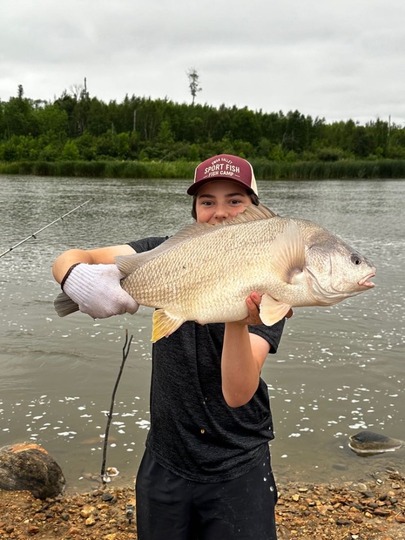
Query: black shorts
170,507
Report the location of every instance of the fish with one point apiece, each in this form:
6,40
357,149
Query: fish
204,273
368,443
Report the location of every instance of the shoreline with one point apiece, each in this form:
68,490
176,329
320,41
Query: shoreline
265,169
362,510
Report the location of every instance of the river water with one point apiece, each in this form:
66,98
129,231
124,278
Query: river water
338,370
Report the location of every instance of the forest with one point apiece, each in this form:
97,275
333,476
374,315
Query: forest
76,128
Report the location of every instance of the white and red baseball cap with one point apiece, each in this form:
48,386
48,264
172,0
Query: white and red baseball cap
225,167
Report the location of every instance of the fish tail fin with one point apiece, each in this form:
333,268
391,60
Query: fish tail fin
64,305
271,310
164,324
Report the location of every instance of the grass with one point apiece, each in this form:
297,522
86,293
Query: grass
264,170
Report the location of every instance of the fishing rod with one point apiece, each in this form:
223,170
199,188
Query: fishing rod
34,235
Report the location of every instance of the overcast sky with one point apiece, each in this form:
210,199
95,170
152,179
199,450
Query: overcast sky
336,59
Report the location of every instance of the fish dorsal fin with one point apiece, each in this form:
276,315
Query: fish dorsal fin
271,310
252,213
164,324
128,263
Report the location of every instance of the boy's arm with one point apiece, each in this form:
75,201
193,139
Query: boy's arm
243,356
104,255
91,282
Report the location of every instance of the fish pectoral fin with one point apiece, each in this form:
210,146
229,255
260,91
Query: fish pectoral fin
64,305
164,324
271,310
288,253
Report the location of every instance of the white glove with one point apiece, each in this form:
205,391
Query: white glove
97,291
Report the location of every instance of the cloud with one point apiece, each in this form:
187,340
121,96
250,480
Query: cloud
338,59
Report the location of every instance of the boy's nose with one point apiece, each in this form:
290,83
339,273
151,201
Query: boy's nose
221,212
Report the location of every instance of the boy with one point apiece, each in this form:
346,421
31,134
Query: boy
206,470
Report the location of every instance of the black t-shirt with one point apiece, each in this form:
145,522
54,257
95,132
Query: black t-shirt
194,433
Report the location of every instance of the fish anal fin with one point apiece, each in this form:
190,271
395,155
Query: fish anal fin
271,310
164,324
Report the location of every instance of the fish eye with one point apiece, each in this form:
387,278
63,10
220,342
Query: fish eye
356,259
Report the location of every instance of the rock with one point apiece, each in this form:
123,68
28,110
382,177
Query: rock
74,531
90,521
108,497
29,467
87,511
343,521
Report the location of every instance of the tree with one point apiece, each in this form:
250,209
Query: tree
70,152
18,117
194,83
53,121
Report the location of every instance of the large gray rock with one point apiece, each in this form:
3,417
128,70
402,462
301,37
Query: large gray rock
29,467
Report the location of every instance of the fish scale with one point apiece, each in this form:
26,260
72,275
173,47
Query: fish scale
182,277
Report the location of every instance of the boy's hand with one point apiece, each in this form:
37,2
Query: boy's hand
96,289
253,305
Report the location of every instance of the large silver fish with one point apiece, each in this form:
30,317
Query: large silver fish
204,273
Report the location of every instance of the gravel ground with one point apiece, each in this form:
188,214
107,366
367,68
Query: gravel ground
373,509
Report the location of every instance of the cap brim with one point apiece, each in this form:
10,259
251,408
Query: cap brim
192,190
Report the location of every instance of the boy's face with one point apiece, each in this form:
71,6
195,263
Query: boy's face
220,200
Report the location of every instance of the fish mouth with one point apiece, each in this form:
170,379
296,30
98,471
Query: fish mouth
365,282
